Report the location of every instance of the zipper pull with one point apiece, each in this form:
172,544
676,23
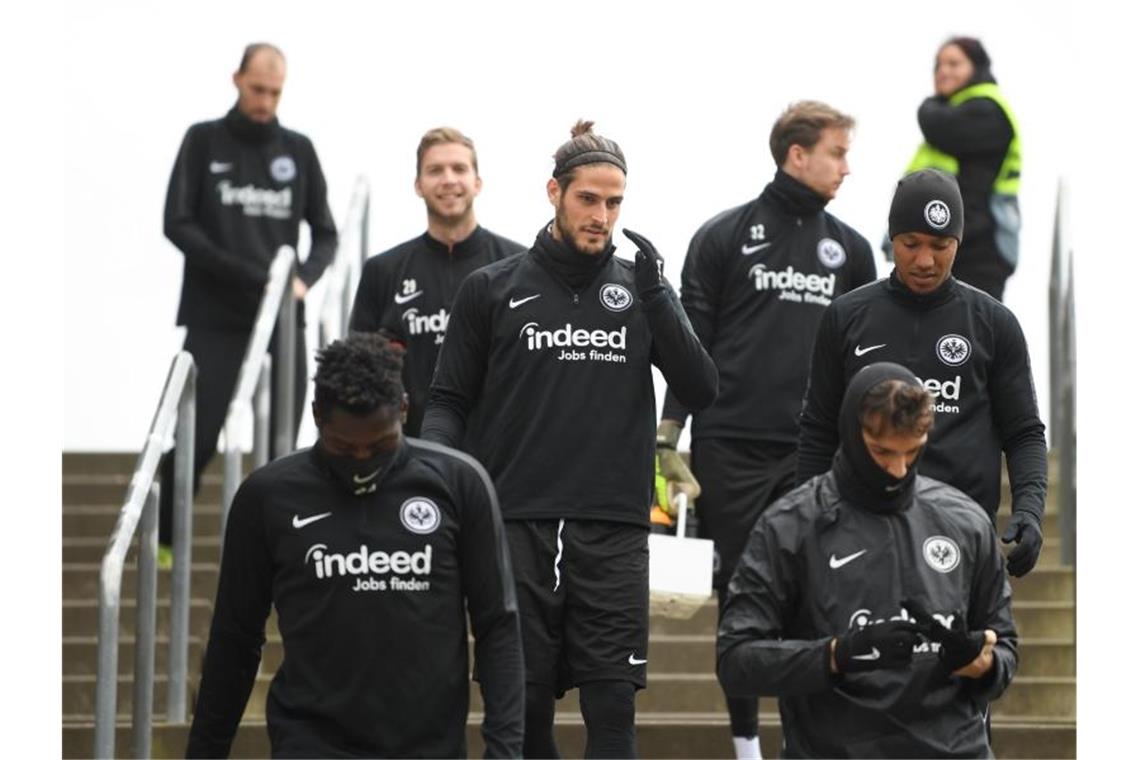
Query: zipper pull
575,299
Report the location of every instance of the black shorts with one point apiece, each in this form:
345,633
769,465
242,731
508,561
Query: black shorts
739,479
583,595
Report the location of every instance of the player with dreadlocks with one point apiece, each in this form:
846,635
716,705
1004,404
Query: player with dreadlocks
370,546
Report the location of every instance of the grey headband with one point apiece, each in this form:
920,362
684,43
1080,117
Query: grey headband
592,156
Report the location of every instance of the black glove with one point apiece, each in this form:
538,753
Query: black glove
1024,528
648,266
889,644
958,646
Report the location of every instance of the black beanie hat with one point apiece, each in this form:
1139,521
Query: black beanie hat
927,201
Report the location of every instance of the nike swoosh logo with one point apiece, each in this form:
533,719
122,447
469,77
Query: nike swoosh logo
874,655
859,350
835,564
358,480
748,250
634,661
515,303
217,167
410,296
299,523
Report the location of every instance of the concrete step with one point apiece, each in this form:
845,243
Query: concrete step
207,549
667,655
81,617
81,580
124,463
1046,583
97,521
1027,697
111,489
1035,620
658,736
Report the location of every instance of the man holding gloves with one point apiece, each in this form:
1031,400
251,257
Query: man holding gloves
873,596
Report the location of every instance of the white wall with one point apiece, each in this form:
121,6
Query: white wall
690,95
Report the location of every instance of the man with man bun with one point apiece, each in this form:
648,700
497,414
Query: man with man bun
556,346
966,346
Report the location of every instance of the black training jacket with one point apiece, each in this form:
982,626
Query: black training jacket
816,567
755,283
969,352
563,382
410,290
370,596
236,195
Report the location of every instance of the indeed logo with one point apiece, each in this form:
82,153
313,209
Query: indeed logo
257,201
363,562
567,336
794,286
942,391
419,324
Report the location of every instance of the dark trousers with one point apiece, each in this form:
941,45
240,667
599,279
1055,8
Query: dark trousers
218,356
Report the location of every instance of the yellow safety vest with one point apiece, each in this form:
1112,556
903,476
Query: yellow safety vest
1008,180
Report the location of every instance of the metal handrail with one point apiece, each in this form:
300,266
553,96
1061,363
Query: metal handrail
1063,374
335,308
277,307
175,414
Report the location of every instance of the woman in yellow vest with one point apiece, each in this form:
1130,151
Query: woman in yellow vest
970,131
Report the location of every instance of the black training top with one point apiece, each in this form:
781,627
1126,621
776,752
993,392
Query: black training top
969,352
238,192
755,283
370,595
410,289
562,380
819,566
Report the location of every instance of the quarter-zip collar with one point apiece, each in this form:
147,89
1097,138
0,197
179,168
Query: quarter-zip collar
921,301
575,270
468,246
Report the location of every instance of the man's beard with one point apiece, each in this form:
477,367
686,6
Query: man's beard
568,238
451,220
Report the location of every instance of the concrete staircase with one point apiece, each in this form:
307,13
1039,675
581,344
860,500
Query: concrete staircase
680,714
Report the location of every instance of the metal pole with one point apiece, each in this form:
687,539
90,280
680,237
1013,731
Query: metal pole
231,473
177,662
366,220
682,501
1055,307
107,680
143,699
285,366
1069,433
261,412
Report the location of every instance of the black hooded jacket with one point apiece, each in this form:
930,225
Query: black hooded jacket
843,551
